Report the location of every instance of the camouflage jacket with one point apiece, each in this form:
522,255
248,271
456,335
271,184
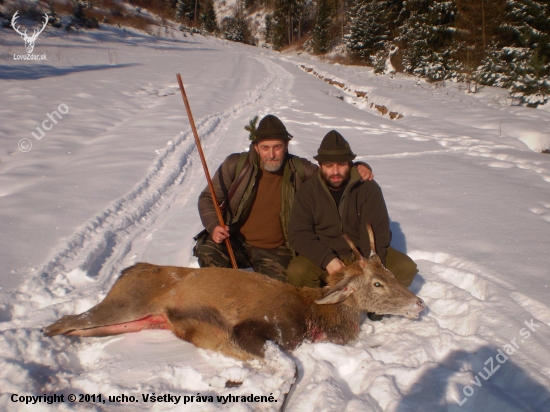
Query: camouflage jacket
238,209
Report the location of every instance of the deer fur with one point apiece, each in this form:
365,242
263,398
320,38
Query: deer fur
236,312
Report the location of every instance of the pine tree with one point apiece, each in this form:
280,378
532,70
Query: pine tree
427,36
208,17
268,28
185,10
54,19
521,59
286,22
530,28
236,29
478,27
279,29
370,26
79,15
321,30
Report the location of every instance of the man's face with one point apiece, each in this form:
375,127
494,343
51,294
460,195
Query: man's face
272,153
336,175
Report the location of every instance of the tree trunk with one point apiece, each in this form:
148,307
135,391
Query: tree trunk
195,14
483,23
289,29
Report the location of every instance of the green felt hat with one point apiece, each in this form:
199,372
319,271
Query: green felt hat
334,148
271,127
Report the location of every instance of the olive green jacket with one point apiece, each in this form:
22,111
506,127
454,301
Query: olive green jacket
316,225
238,209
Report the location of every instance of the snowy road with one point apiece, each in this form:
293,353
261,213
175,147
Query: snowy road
116,182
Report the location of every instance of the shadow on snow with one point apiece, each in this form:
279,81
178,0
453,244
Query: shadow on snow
508,388
35,72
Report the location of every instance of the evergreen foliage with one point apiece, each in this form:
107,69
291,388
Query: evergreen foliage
278,30
185,10
478,26
268,28
285,22
208,17
236,29
321,31
53,18
80,19
370,25
503,43
427,38
523,67
251,128
379,59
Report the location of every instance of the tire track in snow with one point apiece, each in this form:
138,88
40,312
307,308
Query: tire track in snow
101,246
112,231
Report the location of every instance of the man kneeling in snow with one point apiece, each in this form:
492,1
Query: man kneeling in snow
333,203
257,188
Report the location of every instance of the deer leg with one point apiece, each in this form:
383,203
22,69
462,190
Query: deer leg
102,320
205,328
251,335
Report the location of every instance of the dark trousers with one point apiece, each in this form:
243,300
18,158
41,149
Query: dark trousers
270,262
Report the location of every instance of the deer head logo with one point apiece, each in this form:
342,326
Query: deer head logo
29,40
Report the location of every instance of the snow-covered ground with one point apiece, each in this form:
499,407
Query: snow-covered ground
115,181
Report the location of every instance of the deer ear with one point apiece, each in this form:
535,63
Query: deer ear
339,293
375,258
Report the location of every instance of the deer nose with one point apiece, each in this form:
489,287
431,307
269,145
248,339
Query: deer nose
420,303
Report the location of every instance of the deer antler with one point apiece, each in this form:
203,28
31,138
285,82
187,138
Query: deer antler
372,244
371,239
13,19
353,248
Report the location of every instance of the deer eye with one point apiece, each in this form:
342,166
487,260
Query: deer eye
378,285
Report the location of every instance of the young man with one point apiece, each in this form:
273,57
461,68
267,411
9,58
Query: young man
258,212
333,203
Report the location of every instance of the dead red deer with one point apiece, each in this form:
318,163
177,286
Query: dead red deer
236,312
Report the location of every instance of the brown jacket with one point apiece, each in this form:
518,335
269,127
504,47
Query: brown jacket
316,225
239,207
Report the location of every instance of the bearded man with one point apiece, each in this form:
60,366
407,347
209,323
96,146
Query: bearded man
334,203
257,190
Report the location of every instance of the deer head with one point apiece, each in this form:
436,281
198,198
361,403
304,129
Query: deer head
29,41
374,288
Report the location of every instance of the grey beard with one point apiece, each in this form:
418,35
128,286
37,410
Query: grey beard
272,167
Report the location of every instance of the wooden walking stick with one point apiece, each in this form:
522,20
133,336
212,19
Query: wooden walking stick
205,167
